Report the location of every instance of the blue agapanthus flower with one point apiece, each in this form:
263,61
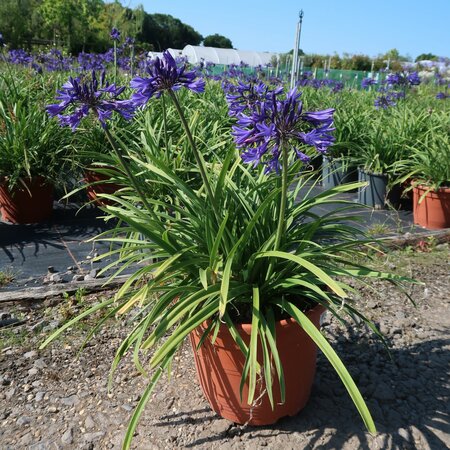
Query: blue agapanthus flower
80,95
413,79
366,82
243,96
115,34
403,79
164,74
385,100
272,124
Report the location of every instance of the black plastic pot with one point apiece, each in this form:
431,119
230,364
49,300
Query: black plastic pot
337,171
374,194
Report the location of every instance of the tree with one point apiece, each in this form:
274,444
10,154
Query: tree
163,31
426,57
15,21
217,40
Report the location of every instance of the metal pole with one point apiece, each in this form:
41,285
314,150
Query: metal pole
294,72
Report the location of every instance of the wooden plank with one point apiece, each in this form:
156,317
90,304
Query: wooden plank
55,290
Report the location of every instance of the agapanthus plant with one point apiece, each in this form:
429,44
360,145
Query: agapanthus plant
241,248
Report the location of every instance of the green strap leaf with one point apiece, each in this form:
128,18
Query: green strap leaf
317,271
334,359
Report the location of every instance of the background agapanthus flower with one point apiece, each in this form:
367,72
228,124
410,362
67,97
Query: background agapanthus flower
164,74
385,100
243,96
366,82
442,96
272,124
81,95
115,34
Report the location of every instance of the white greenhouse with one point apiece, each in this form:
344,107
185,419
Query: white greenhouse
226,56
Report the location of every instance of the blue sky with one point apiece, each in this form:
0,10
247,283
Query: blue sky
329,26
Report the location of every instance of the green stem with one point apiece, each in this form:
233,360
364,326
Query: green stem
132,61
284,186
127,170
164,111
198,157
115,61
281,227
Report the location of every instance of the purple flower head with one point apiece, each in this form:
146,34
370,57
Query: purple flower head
115,34
272,125
164,74
403,79
413,79
79,95
129,41
442,96
366,82
37,68
384,101
243,96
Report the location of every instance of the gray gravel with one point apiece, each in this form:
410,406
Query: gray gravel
52,400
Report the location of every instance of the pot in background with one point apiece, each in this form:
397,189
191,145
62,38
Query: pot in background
98,183
336,171
30,201
374,194
431,209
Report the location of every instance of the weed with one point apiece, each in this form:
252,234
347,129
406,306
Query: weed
6,276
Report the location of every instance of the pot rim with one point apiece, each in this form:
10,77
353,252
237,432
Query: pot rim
373,174
424,187
247,327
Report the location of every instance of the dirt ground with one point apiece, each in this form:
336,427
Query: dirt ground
51,399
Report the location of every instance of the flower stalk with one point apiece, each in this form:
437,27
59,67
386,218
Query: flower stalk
198,157
126,169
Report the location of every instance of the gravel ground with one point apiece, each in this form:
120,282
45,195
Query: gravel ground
50,399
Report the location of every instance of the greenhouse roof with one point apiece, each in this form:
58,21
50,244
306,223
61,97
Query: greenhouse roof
226,56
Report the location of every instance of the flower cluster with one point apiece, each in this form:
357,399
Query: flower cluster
79,96
307,79
367,82
164,74
400,79
442,96
243,96
115,34
272,122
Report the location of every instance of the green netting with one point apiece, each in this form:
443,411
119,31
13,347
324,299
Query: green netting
351,78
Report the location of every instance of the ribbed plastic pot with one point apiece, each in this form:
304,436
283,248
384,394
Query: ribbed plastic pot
31,203
97,183
219,367
431,209
336,171
374,194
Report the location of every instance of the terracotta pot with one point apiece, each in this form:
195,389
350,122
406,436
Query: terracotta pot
101,186
219,367
433,211
30,204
